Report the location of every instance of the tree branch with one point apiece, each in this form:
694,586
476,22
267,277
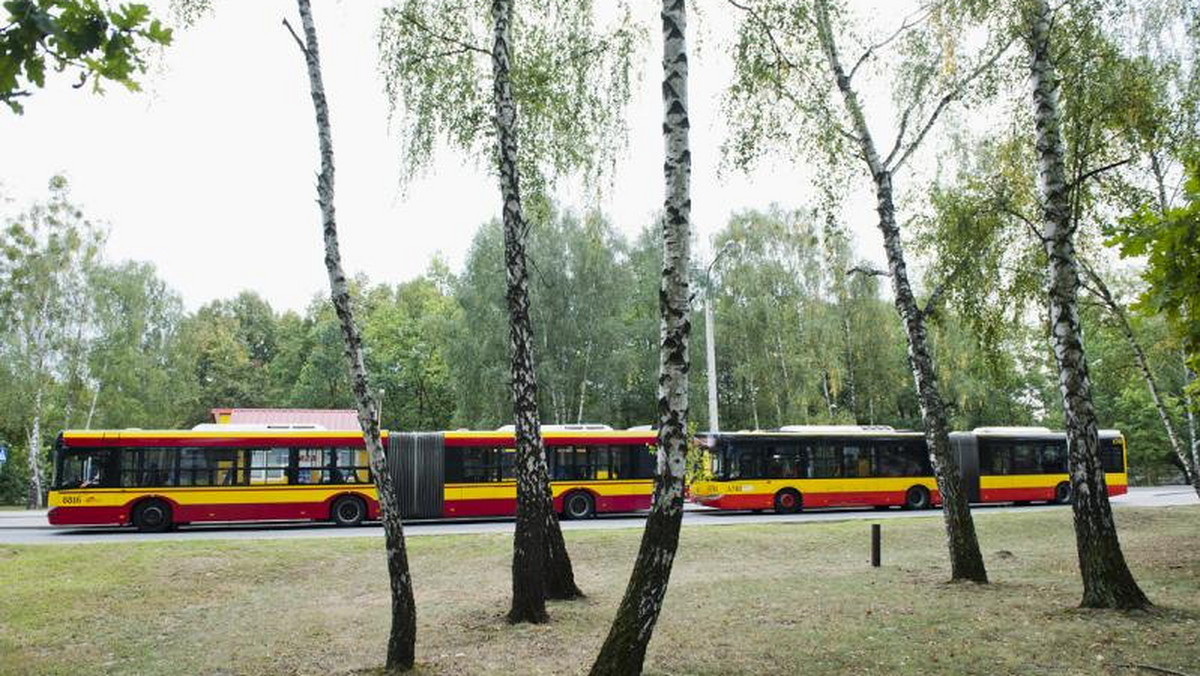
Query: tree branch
408,18
907,24
868,271
955,93
1097,171
299,42
767,29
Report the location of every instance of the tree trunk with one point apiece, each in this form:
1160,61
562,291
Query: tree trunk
36,488
1107,582
624,650
541,565
1118,312
966,561
1189,406
402,639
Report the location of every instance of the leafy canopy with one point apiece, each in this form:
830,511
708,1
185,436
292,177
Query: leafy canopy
571,79
86,37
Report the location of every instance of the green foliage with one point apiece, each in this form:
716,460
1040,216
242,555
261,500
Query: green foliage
1170,244
571,79
87,37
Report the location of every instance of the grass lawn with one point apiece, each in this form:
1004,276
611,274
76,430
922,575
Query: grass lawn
786,598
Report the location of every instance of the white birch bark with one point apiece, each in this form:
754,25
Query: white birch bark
966,561
624,650
1107,581
401,648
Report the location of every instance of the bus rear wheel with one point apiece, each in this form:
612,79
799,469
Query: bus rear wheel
348,511
1062,493
152,516
787,501
579,505
916,497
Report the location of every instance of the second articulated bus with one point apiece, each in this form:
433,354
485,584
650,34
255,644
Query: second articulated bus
849,465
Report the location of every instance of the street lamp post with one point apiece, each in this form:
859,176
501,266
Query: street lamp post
710,344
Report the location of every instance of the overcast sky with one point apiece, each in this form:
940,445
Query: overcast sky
209,173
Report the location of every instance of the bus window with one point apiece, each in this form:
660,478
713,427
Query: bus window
1054,458
826,461
145,467
353,466
268,466
312,465
856,461
1112,458
92,468
194,468
784,462
1024,458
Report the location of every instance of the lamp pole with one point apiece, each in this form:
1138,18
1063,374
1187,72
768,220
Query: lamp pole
710,345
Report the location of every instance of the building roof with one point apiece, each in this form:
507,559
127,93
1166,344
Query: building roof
330,419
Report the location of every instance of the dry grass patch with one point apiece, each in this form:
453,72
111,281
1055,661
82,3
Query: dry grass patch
785,598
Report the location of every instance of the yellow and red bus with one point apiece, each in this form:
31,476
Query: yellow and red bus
802,466
849,465
157,479
1029,464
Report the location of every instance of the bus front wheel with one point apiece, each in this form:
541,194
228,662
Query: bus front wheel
787,501
152,516
1062,493
579,505
916,497
348,511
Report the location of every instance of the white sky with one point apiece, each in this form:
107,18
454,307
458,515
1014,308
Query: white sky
209,173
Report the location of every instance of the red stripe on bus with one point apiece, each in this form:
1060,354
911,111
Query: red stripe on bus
833,499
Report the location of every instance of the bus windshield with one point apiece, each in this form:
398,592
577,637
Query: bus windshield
91,468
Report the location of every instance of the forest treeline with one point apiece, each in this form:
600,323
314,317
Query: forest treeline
108,344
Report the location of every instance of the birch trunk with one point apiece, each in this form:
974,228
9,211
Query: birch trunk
541,566
624,651
402,638
1107,582
1190,407
966,561
1139,355
36,488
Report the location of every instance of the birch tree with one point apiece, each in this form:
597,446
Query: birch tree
557,85
1107,581
403,634
624,650
46,255
789,64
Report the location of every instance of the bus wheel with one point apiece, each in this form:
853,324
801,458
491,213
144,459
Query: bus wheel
1062,494
787,501
579,505
152,516
348,511
916,497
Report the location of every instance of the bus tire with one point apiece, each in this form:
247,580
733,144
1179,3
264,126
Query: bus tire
787,501
579,505
1063,493
152,516
916,497
348,511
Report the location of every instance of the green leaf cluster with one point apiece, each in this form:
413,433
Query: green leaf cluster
90,38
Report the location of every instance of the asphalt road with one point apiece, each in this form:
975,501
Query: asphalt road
30,527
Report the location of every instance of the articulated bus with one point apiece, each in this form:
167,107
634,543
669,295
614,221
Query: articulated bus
157,479
803,466
1028,464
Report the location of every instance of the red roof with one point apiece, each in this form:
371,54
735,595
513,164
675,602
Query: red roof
330,419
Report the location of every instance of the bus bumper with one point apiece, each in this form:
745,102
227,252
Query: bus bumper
87,516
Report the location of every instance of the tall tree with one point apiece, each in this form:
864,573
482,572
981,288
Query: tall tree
624,650
47,255
1097,287
575,82
788,58
402,638
1107,581
87,37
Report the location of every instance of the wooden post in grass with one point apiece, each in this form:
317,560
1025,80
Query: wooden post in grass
876,544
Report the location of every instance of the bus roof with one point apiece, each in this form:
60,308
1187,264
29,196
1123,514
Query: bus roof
237,435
